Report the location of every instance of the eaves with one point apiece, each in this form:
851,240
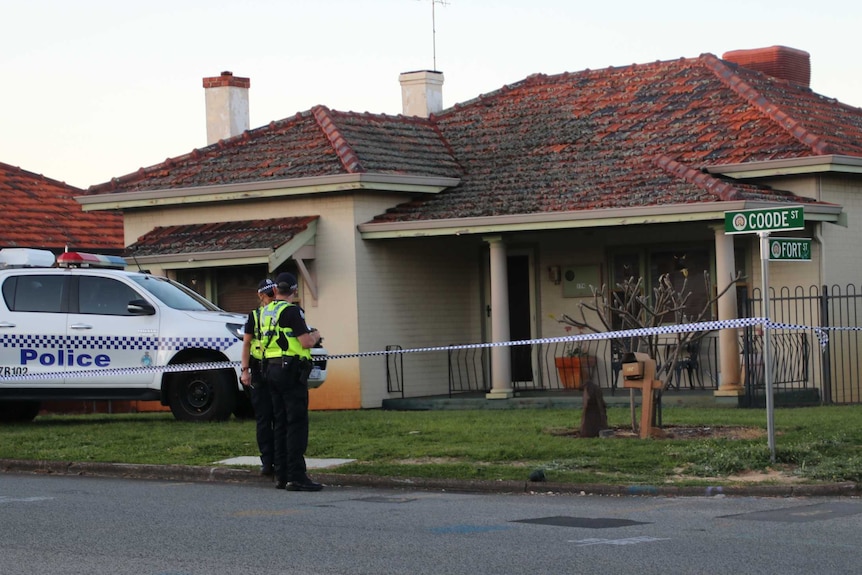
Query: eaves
788,167
709,212
265,190
299,247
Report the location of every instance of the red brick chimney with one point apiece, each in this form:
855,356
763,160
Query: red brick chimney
777,61
226,106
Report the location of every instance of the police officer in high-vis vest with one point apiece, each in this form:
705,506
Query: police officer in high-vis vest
252,377
287,341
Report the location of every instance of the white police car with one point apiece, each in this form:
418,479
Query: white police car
90,330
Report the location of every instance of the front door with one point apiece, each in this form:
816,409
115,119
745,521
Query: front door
520,316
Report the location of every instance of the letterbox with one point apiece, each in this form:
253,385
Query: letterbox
638,366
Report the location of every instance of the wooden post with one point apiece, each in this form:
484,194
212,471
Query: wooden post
646,386
641,375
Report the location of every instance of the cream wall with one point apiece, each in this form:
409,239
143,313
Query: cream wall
416,293
843,256
378,289
574,248
335,313
842,268
806,186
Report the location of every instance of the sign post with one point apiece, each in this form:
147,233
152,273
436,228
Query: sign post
763,221
767,356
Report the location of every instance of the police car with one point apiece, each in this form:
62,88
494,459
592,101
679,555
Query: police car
84,328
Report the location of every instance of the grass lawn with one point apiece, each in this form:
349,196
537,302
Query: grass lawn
812,444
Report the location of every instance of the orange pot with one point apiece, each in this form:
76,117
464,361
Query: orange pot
575,370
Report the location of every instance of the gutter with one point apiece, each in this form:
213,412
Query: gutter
677,213
266,190
834,163
190,260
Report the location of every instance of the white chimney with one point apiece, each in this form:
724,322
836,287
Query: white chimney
227,106
421,93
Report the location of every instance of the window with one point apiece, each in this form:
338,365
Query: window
34,293
173,294
104,296
684,267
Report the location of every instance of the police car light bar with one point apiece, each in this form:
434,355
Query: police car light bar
84,260
25,258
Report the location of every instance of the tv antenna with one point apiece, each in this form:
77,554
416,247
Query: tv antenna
434,28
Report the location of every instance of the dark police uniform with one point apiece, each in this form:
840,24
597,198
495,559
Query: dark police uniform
261,398
287,366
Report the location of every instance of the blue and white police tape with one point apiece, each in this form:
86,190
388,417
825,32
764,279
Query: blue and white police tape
113,371
706,326
621,334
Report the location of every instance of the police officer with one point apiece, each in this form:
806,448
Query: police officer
287,342
252,377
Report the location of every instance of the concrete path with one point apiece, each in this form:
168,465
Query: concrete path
253,461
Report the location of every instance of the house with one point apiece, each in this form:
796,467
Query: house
480,222
42,213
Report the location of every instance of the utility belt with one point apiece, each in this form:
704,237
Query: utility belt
299,367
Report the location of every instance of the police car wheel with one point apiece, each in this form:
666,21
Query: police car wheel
207,395
19,411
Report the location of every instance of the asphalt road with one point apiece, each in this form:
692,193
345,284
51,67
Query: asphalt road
94,525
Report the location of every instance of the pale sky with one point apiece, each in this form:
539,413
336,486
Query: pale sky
95,89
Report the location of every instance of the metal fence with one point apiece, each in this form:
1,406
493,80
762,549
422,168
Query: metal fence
557,367
803,372
808,372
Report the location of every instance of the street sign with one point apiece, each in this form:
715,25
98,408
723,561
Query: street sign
764,220
790,249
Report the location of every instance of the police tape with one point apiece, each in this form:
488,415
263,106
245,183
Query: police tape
620,334
706,326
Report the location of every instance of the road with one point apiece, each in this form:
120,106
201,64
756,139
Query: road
87,525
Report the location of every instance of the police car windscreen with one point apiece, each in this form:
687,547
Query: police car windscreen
174,294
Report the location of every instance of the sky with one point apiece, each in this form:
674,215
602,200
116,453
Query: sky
96,89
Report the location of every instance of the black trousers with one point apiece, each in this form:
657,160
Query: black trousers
261,401
290,415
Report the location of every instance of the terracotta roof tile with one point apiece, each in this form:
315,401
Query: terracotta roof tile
220,236
39,212
315,143
590,139
617,137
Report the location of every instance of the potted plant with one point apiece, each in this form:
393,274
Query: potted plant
574,366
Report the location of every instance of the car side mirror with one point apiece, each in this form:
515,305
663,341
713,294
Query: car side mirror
141,307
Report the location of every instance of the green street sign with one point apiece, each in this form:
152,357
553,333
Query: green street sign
790,249
764,220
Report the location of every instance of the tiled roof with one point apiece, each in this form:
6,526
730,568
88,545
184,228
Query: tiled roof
315,143
217,237
606,138
639,135
39,212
